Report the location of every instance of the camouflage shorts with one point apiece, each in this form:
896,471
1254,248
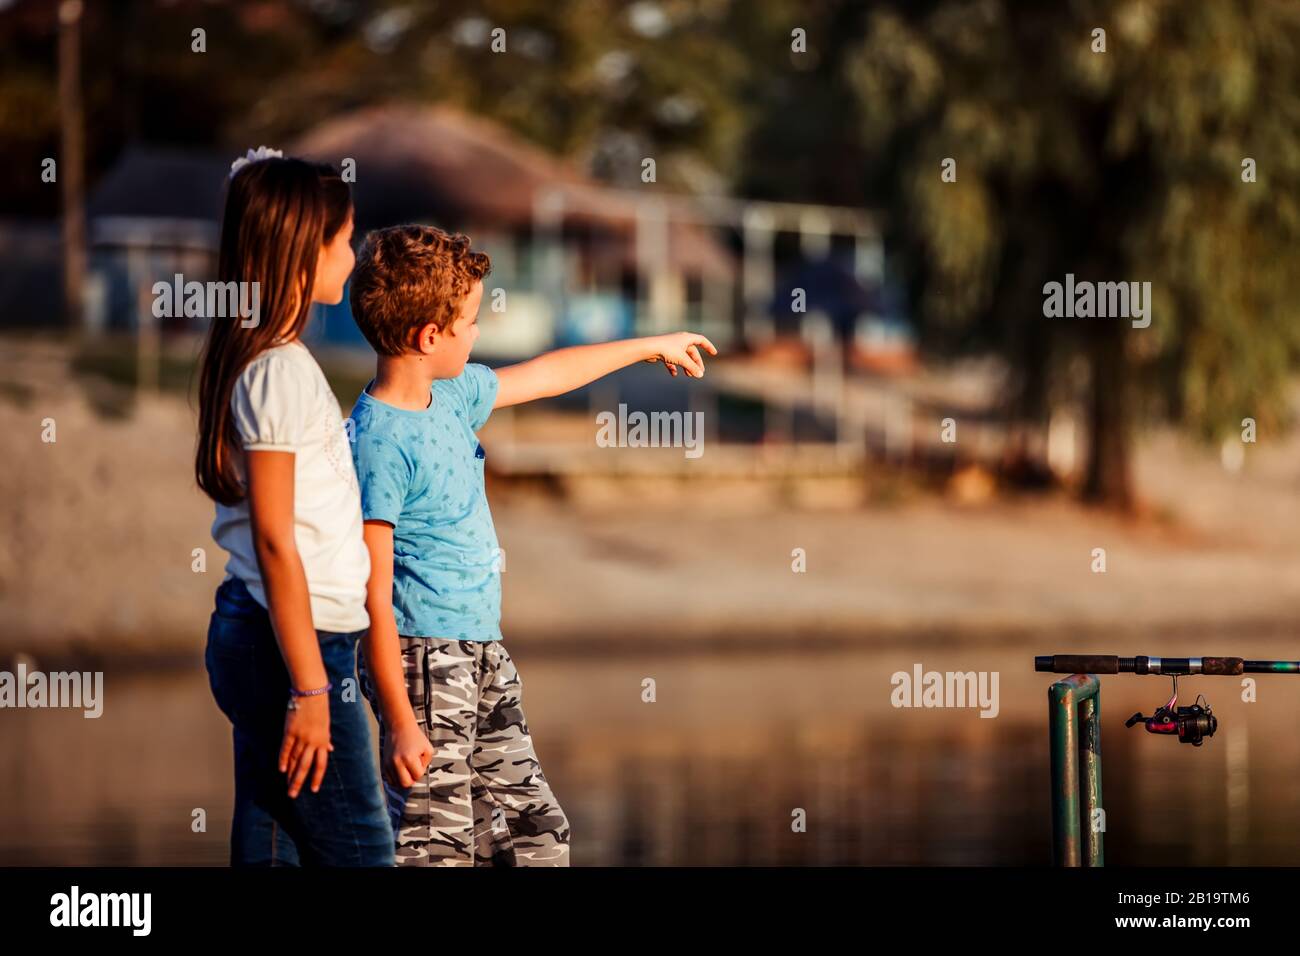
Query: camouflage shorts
483,800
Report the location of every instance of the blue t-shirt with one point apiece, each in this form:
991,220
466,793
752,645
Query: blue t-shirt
422,472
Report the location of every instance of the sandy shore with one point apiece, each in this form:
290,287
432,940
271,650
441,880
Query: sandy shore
101,526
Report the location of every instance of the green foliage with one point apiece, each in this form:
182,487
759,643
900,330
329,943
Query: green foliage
604,82
1122,165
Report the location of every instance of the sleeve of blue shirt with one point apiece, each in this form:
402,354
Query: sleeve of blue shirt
384,475
478,386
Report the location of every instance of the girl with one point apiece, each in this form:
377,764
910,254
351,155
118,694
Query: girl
273,456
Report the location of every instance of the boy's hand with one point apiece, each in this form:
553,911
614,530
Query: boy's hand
407,755
680,348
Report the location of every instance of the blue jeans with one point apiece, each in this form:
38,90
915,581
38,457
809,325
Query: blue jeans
345,823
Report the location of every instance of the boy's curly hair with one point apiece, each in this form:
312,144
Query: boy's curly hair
409,276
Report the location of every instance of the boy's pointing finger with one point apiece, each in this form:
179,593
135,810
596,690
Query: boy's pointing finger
694,353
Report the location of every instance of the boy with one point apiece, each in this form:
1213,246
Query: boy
434,667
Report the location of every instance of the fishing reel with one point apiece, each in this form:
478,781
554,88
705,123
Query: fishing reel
1192,724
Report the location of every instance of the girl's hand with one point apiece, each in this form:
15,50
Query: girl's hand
406,755
306,742
681,348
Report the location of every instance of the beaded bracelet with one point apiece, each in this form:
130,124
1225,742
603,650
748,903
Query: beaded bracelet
294,694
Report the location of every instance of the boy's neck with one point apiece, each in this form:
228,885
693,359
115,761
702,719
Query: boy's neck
404,381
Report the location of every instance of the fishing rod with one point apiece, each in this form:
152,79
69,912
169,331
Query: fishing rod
1210,666
1191,724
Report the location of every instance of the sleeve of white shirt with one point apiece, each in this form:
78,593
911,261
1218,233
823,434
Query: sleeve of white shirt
270,404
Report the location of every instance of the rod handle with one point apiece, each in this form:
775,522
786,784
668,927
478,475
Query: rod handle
1223,666
1078,664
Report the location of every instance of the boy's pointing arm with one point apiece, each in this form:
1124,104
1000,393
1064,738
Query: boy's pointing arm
563,370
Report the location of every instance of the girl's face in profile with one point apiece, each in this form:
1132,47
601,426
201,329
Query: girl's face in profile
333,266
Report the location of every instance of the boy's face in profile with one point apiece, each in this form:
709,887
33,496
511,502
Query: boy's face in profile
449,350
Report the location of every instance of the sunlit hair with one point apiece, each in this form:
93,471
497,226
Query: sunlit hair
278,215
407,277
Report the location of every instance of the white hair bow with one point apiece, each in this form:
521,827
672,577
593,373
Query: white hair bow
253,156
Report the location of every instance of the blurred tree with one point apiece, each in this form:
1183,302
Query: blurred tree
803,144
142,79
1122,165
1118,165
603,82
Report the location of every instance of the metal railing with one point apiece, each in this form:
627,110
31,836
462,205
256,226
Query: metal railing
1074,714
1074,717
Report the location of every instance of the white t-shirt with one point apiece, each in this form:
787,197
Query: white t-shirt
282,402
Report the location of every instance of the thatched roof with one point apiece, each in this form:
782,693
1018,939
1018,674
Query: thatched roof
414,163
437,163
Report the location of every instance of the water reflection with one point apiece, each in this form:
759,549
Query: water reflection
715,771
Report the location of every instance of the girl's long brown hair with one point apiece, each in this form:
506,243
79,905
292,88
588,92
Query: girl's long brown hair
278,215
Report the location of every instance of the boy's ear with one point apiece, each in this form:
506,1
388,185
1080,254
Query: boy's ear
426,340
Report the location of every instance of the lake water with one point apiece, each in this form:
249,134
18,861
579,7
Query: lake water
712,771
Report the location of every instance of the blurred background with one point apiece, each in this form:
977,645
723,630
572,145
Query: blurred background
905,462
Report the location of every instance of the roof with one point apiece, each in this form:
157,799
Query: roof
436,162
153,183
414,163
